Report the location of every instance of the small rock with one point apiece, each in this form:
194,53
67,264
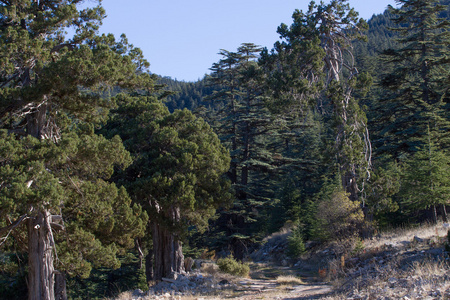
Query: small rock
137,292
392,280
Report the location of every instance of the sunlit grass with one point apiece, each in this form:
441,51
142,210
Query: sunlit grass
289,280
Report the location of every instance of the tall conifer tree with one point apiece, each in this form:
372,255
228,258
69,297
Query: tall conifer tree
313,65
54,170
418,87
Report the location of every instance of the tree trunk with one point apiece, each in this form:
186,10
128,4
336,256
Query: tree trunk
36,122
60,286
40,258
168,253
435,219
149,266
140,253
444,214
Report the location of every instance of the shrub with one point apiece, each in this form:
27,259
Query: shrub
338,217
296,245
231,266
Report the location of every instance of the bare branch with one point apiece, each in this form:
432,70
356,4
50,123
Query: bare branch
10,228
57,227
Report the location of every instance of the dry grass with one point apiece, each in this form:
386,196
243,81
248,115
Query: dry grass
425,279
399,235
289,280
210,268
124,296
430,267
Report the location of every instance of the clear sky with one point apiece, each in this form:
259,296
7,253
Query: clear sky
181,38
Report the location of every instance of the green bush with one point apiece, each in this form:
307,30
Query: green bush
231,266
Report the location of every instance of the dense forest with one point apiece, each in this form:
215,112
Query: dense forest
111,176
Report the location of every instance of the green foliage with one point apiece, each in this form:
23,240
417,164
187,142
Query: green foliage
178,161
13,284
381,191
98,218
190,95
177,173
426,181
247,129
358,246
302,72
231,266
52,164
416,89
105,282
296,244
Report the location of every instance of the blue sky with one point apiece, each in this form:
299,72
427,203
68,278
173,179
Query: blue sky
181,38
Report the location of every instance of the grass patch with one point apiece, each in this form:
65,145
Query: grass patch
289,280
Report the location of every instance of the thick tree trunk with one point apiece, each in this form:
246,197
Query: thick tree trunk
40,258
168,253
36,122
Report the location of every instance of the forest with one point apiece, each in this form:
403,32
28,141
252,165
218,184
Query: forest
111,176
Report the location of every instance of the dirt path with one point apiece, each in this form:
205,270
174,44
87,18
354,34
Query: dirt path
250,289
263,284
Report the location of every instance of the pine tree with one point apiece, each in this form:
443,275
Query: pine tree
54,170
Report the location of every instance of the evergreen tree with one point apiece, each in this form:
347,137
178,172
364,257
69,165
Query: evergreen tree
176,174
427,180
258,142
54,170
418,87
313,65
190,95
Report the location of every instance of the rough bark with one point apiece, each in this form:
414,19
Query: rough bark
40,258
168,254
36,121
60,286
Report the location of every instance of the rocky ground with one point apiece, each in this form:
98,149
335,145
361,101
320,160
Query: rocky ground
401,265
417,269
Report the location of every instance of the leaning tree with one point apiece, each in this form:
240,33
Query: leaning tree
54,195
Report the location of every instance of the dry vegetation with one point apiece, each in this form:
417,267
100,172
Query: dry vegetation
398,264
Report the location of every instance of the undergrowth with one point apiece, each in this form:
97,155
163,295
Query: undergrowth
231,266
